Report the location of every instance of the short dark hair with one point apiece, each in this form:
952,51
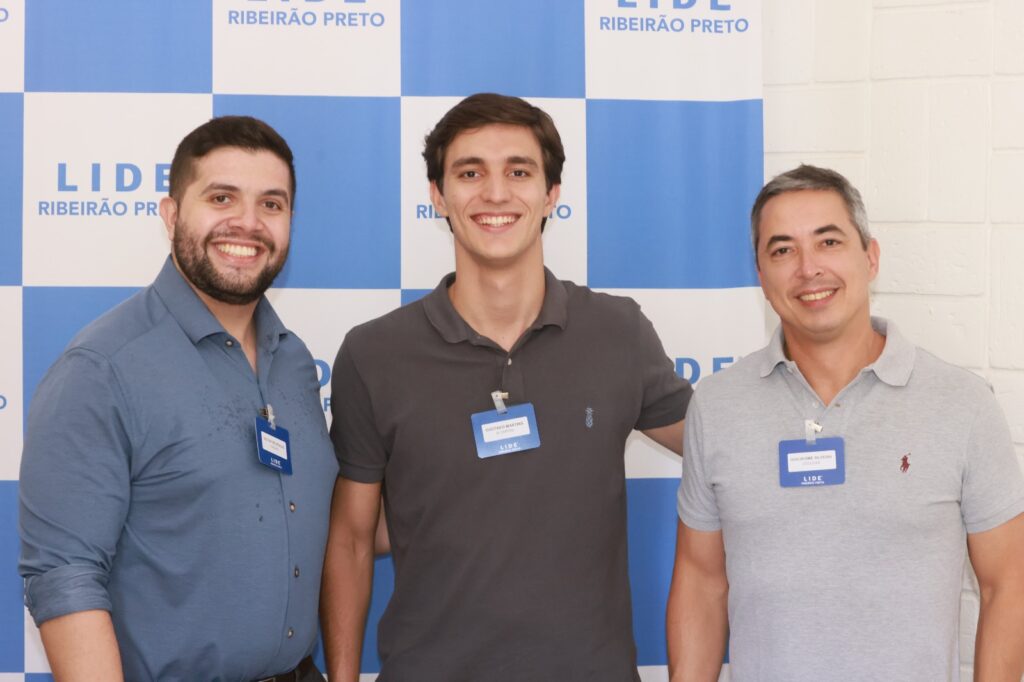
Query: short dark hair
486,108
245,132
806,177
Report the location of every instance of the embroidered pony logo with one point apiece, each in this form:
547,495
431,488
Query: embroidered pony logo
905,463
589,420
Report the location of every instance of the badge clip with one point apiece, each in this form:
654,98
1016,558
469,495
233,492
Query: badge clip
499,398
268,414
811,429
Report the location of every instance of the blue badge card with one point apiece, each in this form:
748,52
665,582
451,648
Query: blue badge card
497,433
802,464
272,446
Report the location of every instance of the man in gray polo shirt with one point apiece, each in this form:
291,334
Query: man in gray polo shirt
494,413
831,479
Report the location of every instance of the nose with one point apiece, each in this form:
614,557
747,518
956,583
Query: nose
245,217
495,189
810,267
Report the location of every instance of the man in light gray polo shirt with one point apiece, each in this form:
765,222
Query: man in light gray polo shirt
831,479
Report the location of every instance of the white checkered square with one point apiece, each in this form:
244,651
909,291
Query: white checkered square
329,47
322,317
649,49
702,329
12,45
11,405
87,151
427,248
35,655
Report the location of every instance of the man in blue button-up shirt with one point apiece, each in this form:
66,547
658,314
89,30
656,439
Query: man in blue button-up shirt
156,544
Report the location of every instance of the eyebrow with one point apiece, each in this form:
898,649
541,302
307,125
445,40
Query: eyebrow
224,187
478,161
824,229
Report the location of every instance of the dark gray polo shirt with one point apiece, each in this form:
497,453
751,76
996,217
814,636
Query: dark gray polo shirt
512,567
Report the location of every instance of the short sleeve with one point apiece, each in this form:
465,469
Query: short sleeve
695,502
993,487
75,486
361,454
666,394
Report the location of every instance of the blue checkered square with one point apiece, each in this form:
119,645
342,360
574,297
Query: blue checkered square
11,164
383,586
456,47
677,220
160,46
347,228
52,317
410,295
652,530
12,620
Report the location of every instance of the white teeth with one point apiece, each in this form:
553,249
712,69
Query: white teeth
237,250
818,296
496,221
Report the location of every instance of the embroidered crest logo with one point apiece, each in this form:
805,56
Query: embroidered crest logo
905,463
589,420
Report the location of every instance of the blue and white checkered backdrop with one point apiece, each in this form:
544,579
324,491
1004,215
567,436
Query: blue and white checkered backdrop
658,102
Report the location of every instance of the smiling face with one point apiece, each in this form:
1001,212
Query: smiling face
495,196
812,266
230,230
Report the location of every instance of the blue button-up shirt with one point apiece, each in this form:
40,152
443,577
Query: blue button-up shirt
141,491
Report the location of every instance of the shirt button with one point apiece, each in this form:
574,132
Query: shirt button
510,361
296,571
229,343
291,633
291,506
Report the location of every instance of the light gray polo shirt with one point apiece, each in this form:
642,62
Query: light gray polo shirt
858,581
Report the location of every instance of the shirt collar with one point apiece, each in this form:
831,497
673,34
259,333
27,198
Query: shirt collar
894,366
442,314
198,322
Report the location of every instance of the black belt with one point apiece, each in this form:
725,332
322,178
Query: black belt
304,667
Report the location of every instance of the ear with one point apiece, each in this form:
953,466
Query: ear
874,255
437,198
553,194
169,214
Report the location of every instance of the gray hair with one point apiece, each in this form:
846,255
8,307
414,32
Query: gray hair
806,177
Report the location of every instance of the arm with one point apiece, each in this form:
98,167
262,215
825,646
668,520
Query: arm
997,556
81,647
670,436
697,623
74,494
348,575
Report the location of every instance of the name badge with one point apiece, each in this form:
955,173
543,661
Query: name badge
802,464
272,446
502,433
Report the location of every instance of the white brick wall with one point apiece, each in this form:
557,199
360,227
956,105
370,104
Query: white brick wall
921,104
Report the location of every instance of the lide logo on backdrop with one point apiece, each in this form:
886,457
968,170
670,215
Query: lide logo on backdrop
4,14
674,16
3,401
115,180
690,368
305,13
323,371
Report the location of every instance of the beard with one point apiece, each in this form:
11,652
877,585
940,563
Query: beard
234,288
